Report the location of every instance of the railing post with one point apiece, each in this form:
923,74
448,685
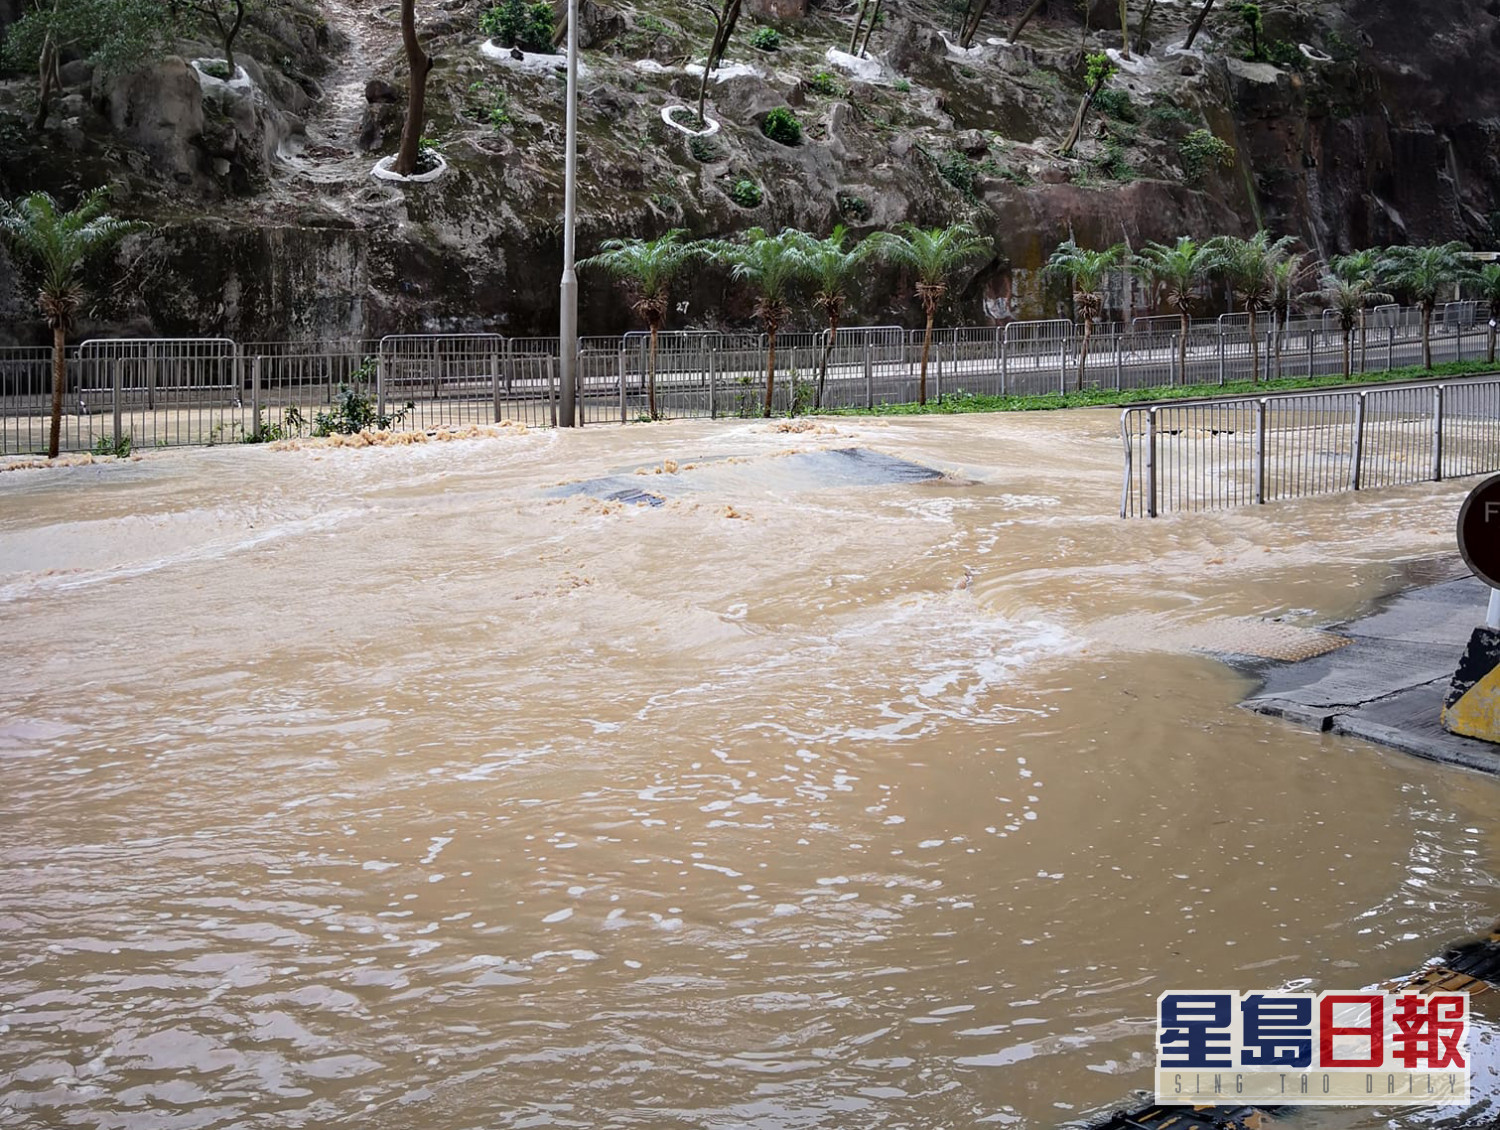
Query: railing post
624,419
937,377
870,373
713,382
1004,361
552,367
114,390
1221,356
1390,348
1260,452
1356,456
1309,352
255,392
1172,362
1119,362
1151,508
1062,367
151,377
1270,341
380,381
1437,434
495,385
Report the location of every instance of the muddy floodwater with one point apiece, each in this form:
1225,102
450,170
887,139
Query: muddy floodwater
431,786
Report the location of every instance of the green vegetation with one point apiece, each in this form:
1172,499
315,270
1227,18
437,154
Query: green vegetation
487,105
516,23
958,170
746,193
56,245
1116,104
216,69
1098,71
769,265
107,445
781,125
1248,268
355,411
832,266
766,39
853,206
824,83
1254,27
1202,151
902,86
1425,275
959,402
1087,273
1175,272
933,256
647,268
1164,116
704,150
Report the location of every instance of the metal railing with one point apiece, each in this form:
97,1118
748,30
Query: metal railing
1212,455
167,392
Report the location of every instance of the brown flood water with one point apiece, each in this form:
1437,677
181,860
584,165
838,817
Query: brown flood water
379,788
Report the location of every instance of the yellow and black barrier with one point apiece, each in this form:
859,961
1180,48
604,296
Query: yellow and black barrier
1472,708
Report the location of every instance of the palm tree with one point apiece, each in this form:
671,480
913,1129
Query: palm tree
771,265
1287,279
1424,273
58,244
1086,272
647,268
831,266
1179,271
1349,298
1361,267
1487,282
933,255
1247,266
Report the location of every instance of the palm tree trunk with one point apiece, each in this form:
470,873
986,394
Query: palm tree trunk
1015,32
1198,24
1254,349
1492,339
59,384
833,333
1348,353
651,375
1083,350
1124,29
420,64
1363,356
1187,325
1278,327
926,349
770,366
1427,337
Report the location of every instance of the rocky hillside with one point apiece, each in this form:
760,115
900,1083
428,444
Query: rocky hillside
1373,123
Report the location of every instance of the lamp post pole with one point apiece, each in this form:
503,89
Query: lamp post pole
568,329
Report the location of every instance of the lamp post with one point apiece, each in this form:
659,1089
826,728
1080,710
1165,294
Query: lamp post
568,328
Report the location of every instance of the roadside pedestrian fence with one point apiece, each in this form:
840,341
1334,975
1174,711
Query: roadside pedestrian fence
1213,455
176,391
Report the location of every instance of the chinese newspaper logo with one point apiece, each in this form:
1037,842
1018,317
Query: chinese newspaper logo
1334,1049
